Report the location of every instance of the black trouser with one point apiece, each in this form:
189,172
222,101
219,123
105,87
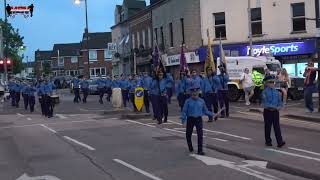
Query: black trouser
124,94
146,100
17,98
45,102
257,95
131,95
211,100
13,98
101,94
272,118
109,93
169,92
32,101
85,95
224,102
191,122
49,106
25,100
163,108
153,98
42,105
181,100
76,95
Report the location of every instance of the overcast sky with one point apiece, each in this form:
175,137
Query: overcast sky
61,21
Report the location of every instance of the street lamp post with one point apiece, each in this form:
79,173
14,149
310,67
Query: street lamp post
6,48
250,27
86,32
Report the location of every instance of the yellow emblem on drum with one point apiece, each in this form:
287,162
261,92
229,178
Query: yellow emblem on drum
139,98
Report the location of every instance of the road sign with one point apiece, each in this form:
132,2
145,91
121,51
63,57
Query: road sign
139,98
46,177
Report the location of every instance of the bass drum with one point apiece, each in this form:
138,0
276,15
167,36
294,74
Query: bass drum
116,98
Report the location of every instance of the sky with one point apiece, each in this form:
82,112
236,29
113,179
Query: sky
60,21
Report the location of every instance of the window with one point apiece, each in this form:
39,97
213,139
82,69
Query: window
182,29
138,39
92,55
95,72
107,55
103,71
256,21
144,38
156,34
162,37
61,61
171,34
298,17
133,42
149,37
67,73
220,25
98,72
74,59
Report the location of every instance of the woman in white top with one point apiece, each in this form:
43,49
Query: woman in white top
248,85
284,84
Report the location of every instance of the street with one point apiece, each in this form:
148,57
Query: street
81,142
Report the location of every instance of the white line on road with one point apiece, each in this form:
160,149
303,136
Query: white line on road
137,169
46,127
79,143
114,118
21,115
61,116
194,134
293,154
175,122
140,123
305,151
29,119
227,134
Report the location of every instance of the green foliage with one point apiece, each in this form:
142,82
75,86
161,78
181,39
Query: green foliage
46,68
15,42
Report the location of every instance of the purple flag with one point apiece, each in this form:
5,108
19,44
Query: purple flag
183,61
155,56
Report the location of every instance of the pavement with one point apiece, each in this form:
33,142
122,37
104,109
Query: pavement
83,142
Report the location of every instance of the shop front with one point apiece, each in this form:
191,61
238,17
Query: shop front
293,55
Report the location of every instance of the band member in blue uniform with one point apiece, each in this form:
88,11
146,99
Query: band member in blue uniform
84,84
222,86
272,103
154,94
195,80
170,85
181,89
209,89
11,86
108,83
48,90
193,110
124,85
161,98
133,85
101,85
24,92
17,91
41,95
115,82
76,90
146,86
31,95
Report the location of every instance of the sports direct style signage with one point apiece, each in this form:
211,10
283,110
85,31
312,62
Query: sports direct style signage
280,49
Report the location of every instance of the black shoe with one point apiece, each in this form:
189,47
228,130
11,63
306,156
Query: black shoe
282,144
191,149
201,153
165,120
268,144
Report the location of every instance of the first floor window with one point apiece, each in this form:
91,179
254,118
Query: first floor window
93,55
61,61
220,25
107,55
298,17
74,59
95,72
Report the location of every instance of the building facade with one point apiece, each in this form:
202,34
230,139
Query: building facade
281,28
41,57
176,22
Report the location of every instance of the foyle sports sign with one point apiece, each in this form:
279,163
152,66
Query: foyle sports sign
279,49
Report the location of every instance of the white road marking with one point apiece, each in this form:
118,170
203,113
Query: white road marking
79,143
194,134
21,115
46,127
241,168
305,151
114,118
137,169
61,116
141,123
293,154
175,122
227,134
29,119
46,177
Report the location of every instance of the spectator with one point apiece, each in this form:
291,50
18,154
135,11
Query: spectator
284,84
310,74
248,85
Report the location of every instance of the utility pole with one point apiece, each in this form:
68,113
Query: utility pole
6,49
317,11
250,27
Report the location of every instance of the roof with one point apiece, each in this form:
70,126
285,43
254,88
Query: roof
134,4
71,49
98,40
42,55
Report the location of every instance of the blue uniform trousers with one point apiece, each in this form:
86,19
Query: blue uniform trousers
154,109
146,100
124,94
42,105
191,122
162,108
109,93
17,98
76,95
211,99
224,102
169,93
13,98
132,101
25,100
271,118
101,94
85,95
32,101
181,100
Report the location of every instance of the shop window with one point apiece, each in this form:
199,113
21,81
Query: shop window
291,69
220,25
171,34
182,29
298,17
256,21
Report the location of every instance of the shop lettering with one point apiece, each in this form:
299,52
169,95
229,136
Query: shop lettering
274,49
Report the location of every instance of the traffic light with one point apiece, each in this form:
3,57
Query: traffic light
1,66
8,62
9,66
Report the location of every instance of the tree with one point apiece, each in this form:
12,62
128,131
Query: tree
14,40
46,68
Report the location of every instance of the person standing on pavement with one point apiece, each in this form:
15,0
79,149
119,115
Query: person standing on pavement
76,89
181,89
284,84
222,86
146,86
257,78
101,88
272,103
309,86
248,85
210,92
124,85
170,85
193,110
84,84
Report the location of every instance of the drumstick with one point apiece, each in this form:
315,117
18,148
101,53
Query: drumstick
218,113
